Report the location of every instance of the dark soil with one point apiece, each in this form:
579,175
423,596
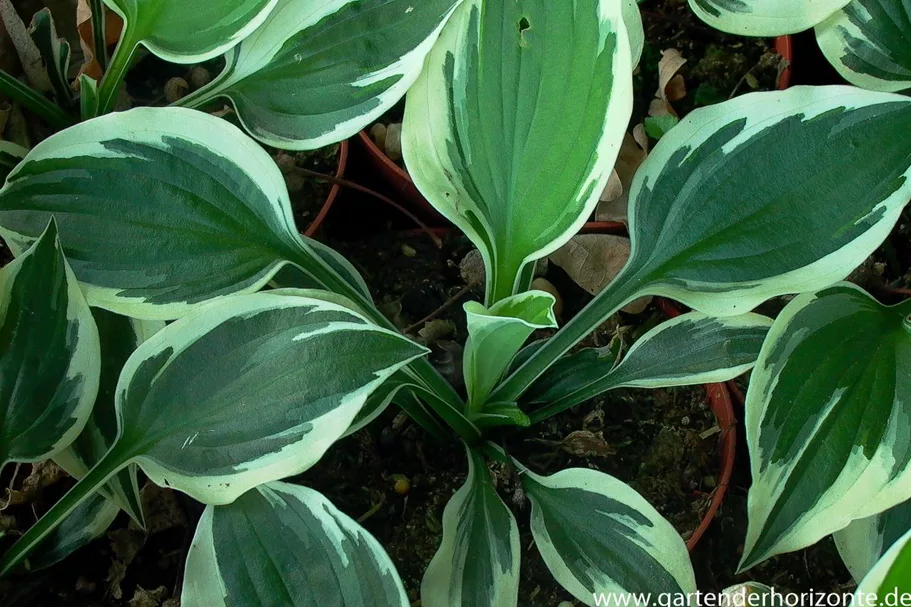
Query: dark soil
111,571
308,194
718,65
651,439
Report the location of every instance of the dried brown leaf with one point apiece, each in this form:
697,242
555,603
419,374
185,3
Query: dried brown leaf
435,330
125,543
641,137
43,475
592,260
583,443
614,188
671,86
113,27
630,158
148,598
161,509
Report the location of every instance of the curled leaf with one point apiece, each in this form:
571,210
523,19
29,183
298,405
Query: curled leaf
671,86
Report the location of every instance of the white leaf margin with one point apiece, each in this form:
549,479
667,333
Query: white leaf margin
294,458
766,18
760,111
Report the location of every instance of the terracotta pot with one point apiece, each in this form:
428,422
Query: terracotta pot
784,45
401,183
333,193
719,398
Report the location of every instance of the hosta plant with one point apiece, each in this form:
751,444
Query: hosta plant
512,126
827,408
867,41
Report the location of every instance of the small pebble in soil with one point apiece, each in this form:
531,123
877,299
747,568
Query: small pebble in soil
402,485
378,134
176,89
199,77
471,268
394,142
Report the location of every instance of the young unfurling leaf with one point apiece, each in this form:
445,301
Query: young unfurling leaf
690,349
496,334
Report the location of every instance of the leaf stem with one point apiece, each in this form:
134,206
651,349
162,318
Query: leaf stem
451,414
411,404
448,405
114,461
35,101
626,287
109,89
99,35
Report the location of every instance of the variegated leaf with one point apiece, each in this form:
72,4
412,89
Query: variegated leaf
188,32
764,17
119,337
690,349
726,208
86,523
49,360
197,209
512,129
240,392
282,544
869,43
478,561
496,334
635,31
862,543
55,52
827,418
302,368
600,538
11,154
890,579
725,212
316,73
